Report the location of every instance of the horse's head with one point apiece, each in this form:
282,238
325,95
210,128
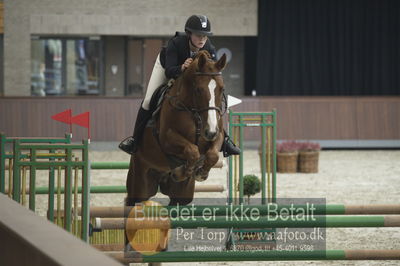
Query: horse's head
206,85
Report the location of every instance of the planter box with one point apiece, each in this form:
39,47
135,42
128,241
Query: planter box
287,162
308,161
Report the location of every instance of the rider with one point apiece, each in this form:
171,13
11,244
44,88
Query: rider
170,64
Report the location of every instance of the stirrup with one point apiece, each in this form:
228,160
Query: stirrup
128,145
229,148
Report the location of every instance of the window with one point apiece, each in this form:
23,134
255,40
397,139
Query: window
62,66
141,56
142,53
1,65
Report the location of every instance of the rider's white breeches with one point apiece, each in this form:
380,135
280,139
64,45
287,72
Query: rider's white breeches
157,78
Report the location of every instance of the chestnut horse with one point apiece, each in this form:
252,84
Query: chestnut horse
186,137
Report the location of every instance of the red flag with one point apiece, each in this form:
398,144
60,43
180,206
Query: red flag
64,117
82,120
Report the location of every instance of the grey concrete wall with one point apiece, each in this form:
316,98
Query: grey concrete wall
104,17
137,17
17,47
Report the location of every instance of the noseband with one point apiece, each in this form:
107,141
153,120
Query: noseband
208,73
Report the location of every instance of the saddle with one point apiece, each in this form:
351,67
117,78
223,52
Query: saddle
158,97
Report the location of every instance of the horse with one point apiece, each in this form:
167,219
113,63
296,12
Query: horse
184,142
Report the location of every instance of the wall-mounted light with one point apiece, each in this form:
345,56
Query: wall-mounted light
114,69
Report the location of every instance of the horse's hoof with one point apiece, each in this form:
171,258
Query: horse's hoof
200,178
189,173
177,177
178,174
201,175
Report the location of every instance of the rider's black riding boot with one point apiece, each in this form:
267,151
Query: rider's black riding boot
228,147
130,144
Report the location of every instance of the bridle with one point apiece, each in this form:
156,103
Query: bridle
213,74
179,105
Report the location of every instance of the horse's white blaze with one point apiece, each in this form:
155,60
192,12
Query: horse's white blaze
212,114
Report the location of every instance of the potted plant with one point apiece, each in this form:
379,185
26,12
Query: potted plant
287,153
308,157
251,186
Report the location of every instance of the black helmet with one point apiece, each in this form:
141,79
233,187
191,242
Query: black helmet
198,24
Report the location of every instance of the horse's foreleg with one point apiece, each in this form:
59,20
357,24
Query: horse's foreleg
212,156
179,145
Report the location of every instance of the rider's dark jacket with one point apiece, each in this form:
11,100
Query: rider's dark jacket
177,51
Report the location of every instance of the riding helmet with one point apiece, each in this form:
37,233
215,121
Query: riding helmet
198,24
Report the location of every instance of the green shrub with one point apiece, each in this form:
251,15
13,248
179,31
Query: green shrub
251,186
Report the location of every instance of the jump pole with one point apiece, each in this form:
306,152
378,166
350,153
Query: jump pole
263,222
122,189
125,165
105,165
223,210
269,255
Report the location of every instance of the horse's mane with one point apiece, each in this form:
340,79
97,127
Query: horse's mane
192,68
205,52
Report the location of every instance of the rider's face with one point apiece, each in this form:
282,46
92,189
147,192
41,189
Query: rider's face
198,40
